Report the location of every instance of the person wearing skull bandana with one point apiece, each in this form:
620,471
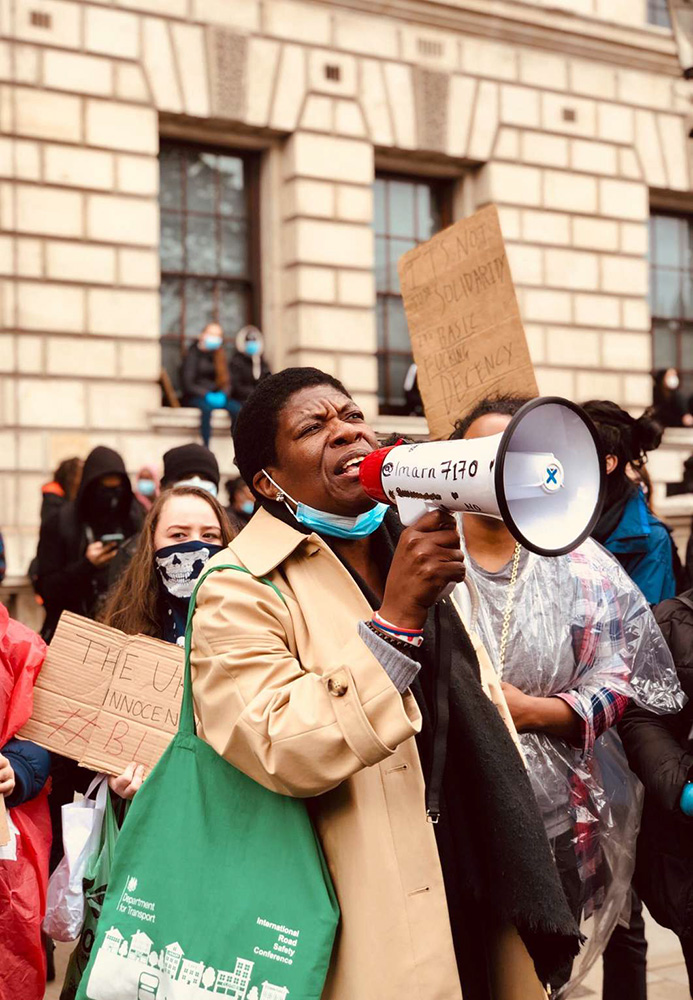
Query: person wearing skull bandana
185,526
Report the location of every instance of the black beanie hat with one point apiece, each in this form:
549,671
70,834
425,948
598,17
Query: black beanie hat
190,460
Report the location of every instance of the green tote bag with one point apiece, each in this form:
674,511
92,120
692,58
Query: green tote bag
218,886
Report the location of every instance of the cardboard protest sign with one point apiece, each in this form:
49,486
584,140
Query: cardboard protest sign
464,322
104,698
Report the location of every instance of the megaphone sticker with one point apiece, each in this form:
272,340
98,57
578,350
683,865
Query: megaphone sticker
554,477
544,476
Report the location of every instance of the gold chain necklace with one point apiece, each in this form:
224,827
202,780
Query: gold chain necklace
508,609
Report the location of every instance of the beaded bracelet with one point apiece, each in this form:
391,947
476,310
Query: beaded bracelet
399,644
410,636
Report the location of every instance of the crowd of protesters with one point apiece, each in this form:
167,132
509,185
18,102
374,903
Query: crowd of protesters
560,685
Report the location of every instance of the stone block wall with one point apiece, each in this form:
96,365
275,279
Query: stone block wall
570,114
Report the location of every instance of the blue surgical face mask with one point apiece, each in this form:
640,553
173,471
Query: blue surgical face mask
248,506
213,343
336,525
252,347
146,487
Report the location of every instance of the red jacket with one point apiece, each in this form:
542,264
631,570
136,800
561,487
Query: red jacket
24,874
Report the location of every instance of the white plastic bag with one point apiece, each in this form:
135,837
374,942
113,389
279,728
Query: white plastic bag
82,822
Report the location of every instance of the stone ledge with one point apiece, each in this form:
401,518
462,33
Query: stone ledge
184,418
637,46
17,594
666,466
410,427
678,437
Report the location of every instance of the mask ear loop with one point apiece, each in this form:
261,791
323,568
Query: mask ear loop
281,496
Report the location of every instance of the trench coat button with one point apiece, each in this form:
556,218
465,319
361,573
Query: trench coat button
337,685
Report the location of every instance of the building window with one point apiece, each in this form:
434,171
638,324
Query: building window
671,294
407,211
658,13
209,250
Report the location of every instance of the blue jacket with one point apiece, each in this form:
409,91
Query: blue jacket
31,765
642,545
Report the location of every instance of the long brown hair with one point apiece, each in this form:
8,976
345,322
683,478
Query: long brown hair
133,603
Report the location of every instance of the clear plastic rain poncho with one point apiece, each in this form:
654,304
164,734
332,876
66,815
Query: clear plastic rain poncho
580,628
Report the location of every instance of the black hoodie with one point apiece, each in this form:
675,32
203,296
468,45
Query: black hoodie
66,579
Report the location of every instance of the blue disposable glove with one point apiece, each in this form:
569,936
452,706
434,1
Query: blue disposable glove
216,399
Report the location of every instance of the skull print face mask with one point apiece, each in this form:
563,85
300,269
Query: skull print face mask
180,565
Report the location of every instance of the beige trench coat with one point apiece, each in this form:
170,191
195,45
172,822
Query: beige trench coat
291,696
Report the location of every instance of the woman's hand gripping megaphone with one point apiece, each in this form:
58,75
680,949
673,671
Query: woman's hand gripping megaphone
428,561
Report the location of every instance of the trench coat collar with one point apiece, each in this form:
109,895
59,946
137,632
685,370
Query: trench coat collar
266,542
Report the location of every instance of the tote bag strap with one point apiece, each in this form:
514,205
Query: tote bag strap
187,716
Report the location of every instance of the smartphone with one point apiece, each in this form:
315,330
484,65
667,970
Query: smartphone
117,538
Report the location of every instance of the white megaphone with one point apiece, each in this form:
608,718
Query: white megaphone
544,476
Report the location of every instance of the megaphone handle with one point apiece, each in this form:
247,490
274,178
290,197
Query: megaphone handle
410,509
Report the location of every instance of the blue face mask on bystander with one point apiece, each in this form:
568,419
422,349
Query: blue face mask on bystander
147,487
336,525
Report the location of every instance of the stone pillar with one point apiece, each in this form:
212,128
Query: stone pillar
329,292
79,214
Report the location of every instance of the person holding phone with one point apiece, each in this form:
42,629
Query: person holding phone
86,547
82,552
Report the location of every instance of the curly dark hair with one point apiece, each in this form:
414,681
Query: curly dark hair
255,433
506,404
627,438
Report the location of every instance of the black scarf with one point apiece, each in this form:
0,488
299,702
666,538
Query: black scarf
613,509
496,860
173,613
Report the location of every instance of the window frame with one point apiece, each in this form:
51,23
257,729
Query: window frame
684,324
443,190
251,280
655,10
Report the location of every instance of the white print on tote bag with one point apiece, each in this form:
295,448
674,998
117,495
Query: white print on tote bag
139,969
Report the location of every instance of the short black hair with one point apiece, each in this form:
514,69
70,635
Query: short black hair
255,432
506,404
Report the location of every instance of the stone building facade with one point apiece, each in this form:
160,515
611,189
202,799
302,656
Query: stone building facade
571,115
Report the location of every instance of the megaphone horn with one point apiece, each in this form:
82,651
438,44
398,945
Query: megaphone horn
544,476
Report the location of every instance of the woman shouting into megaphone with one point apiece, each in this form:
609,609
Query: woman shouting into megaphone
350,682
